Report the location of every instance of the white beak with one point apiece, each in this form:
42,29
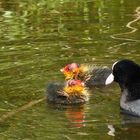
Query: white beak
109,79
62,70
83,84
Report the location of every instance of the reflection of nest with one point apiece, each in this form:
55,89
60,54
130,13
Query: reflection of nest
56,94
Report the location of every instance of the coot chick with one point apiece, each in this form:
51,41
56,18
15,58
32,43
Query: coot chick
127,74
91,75
72,92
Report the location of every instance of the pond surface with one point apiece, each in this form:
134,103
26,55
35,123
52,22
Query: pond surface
37,38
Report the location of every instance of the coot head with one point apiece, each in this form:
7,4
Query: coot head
127,74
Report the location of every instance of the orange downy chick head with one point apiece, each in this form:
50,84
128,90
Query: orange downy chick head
71,71
74,87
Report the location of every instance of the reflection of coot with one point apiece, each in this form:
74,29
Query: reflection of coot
73,92
92,75
130,128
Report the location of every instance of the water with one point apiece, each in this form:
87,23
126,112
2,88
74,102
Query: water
37,38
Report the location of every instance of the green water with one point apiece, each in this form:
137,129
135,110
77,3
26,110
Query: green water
37,38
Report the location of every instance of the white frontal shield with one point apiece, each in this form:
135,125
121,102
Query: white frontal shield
109,79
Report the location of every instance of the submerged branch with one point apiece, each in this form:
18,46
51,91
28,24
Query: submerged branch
22,108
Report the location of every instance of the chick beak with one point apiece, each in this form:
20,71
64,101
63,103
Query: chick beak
62,70
83,84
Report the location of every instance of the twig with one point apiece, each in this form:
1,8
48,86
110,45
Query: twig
129,25
22,108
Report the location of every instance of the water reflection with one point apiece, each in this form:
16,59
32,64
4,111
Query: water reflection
130,127
76,116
